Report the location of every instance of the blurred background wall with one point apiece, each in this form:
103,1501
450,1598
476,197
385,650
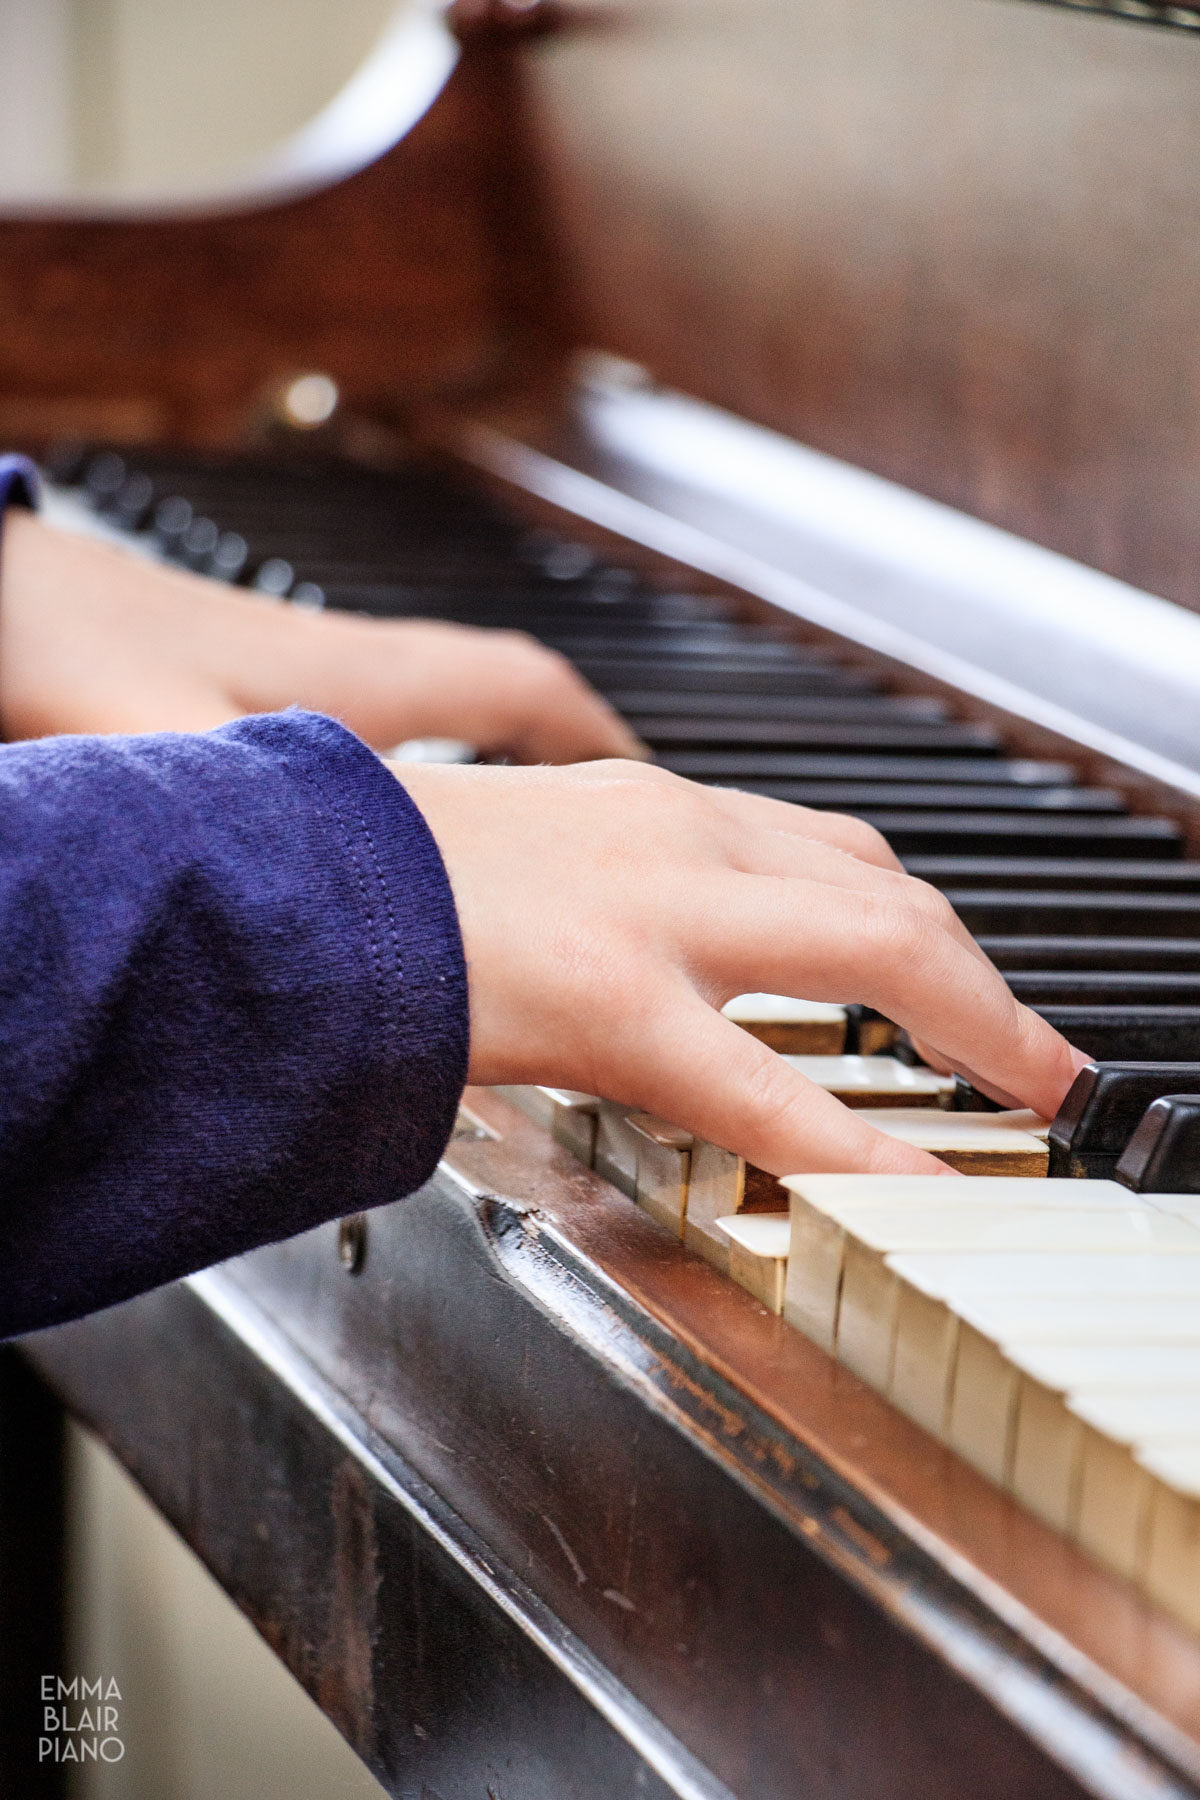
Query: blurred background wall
207,1712
104,93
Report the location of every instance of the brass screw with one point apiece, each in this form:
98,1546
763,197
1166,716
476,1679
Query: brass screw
352,1243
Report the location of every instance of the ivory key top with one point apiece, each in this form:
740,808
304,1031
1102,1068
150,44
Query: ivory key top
875,1080
1115,1487
843,1293
758,1254
1008,1143
942,1294
1048,1437
719,1185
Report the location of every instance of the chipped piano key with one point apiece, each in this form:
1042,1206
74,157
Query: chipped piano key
573,1118
616,1147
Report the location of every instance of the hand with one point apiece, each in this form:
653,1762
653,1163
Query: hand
95,639
609,911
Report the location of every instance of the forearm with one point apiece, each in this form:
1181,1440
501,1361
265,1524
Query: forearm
232,1003
94,639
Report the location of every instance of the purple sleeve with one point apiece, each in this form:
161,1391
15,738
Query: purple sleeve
233,1002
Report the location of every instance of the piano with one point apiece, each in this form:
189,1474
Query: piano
818,379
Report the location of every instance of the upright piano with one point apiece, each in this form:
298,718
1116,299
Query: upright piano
823,379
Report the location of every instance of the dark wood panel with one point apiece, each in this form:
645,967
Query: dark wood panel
414,277
722,1564
957,241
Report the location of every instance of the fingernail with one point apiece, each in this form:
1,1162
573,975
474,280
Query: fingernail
1081,1059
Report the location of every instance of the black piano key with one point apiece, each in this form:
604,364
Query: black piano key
913,833
1129,1033
1104,987
1166,956
968,1098
103,478
950,739
768,766
1163,1155
65,460
956,797
1105,875
133,504
653,638
728,702
1016,912
1103,1108
801,674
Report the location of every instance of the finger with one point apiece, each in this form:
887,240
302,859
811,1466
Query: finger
732,1090
853,836
556,717
748,933
757,852
580,728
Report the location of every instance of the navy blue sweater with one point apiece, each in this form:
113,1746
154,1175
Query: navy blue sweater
232,1002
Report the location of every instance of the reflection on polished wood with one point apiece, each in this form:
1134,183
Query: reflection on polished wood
951,243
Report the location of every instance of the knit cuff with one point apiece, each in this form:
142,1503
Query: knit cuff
20,483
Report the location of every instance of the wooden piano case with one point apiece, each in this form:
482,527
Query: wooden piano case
535,1505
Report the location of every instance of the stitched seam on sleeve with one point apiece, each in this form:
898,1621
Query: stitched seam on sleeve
331,805
389,910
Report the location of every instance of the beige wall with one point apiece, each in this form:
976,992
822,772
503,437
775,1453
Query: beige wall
207,1712
185,90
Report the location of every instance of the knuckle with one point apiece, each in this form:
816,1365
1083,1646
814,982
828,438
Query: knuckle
862,840
769,1089
904,935
932,902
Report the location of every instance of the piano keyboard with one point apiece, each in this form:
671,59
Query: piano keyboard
1035,1314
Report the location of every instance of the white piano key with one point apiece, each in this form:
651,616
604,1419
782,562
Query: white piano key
1115,1488
797,1027
758,1253
875,1080
941,1274
949,1359
615,1147
720,1184
573,1121
991,1144
1172,1570
883,1214
999,1419
663,1156
1048,1435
